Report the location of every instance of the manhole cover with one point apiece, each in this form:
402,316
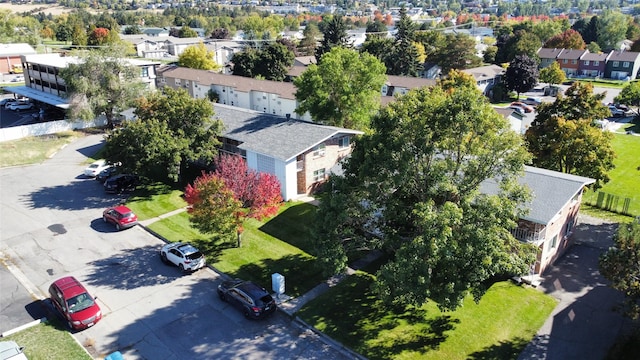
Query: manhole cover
57,229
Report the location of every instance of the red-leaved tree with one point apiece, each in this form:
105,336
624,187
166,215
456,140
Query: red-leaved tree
220,201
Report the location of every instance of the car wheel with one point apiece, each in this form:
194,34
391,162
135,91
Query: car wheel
163,257
222,296
104,218
117,227
246,313
181,267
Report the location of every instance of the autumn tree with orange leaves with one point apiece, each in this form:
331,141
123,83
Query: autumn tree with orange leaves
220,201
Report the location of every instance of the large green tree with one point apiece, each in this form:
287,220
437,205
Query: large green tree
414,183
630,95
621,265
169,115
612,29
563,137
102,82
198,57
569,39
271,62
552,74
343,90
405,53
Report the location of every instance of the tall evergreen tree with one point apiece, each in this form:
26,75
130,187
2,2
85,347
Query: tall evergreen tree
405,53
334,34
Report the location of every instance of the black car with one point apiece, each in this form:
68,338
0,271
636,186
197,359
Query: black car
120,183
106,173
253,300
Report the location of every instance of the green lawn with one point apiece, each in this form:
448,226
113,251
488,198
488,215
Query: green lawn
499,327
625,178
156,199
47,341
32,150
267,247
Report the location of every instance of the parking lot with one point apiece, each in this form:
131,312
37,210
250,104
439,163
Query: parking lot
51,226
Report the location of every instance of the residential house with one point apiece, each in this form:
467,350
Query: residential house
622,65
430,70
147,47
548,56
10,61
299,153
175,45
486,76
568,60
271,97
400,85
223,51
553,212
44,84
592,65
516,119
155,32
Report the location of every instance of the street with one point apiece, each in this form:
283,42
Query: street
51,226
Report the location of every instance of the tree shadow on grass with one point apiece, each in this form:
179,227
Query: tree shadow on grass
509,349
212,248
293,226
146,192
300,272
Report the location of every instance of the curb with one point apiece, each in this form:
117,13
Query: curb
23,327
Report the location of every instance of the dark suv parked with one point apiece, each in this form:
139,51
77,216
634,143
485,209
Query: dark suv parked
120,183
253,300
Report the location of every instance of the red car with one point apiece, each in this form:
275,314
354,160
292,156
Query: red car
79,309
523,106
121,216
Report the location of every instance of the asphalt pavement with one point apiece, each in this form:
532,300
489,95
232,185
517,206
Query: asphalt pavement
51,226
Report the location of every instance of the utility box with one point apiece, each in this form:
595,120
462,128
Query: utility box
277,283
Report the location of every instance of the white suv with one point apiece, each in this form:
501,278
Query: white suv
182,255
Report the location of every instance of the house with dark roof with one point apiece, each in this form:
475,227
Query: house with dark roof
299,153
568,60
400,85
622,65
486,76
553,211
548,56
592,65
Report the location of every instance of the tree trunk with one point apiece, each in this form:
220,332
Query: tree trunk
239,239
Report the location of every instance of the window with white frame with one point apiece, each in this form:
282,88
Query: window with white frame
319,150
625,64
616,63
574,61
177,81
266,164
343,142
596,63
318,175
554,242
586,62
144,71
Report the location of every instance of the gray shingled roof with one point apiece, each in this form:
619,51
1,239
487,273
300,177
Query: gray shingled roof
551,191
624,56
549,53
595,57
571,54
271,135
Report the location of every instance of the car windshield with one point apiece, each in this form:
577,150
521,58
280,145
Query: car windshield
126,215
93,166
80,302
194,256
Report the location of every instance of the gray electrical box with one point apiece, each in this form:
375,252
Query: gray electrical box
277,283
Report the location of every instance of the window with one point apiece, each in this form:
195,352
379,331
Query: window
145,72
625,64
343,142
596,63
319,150
318,175
564,61
554,242
616,63
586,62
574,61
177,81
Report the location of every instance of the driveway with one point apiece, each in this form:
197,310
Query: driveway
584,324
51,226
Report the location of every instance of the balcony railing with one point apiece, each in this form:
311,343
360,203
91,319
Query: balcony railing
528,235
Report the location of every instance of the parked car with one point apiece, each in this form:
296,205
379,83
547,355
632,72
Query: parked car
183,255
79,309
95,168
524,106
619,106
120,216
615,112
533,101
6,101
10,350
517,109
120,183
20,105
253,300
106,173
